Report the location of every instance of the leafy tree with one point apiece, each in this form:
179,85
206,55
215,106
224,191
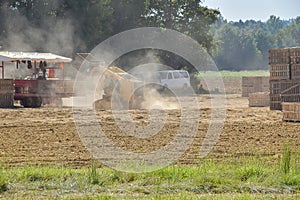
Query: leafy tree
127,14
238,49
264,42
53,25
274,24
290,35
185,16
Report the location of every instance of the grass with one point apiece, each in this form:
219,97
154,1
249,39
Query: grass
233,73
286,159
252,177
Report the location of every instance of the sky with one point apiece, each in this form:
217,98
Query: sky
234,10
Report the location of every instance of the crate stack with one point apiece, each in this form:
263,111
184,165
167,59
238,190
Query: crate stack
284,76
259,99
254,84
7,90
291,112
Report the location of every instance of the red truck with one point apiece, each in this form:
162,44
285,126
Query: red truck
42,85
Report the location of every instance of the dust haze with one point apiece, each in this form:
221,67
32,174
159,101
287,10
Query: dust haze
55,35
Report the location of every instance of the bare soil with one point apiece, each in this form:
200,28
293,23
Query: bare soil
49,135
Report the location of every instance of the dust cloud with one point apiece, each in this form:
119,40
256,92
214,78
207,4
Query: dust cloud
154,100
53,34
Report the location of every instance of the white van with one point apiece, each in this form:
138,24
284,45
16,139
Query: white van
173,79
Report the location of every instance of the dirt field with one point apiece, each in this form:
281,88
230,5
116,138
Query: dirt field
49,135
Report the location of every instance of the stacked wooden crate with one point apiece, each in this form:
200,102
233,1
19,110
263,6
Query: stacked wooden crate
254,84
259,99
291,111
284,76
7,93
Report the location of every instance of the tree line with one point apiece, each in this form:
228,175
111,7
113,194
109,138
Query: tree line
93,21
244,45
68,26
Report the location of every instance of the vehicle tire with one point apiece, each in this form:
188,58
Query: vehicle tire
28,102
37,102
32,102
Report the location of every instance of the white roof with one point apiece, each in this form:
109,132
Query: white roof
32,56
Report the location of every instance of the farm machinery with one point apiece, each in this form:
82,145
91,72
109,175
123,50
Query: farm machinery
118,88
42,85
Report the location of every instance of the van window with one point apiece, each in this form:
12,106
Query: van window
184,74
170,76
176,75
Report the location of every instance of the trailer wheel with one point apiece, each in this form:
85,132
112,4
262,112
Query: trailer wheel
37,102
32,102
27,102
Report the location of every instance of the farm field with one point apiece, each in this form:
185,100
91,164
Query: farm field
49,136
42,141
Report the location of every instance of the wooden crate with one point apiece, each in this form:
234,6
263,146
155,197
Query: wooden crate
279,56
275,87
253,84
6,100
291,111
275,102
295,51
279,60
295,71
6,86
278,86
232,85
295,55
275,105
295,59
291,94
279,71
259,99
286,84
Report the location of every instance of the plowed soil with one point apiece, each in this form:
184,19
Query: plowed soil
49,135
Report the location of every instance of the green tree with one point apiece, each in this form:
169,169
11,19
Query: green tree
127,14
93,19
185,16
274,24
264,42
290,35
53,25
238,49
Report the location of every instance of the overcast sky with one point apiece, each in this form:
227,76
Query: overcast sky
234,10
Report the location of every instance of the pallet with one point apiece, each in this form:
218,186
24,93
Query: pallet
280,71
7,100
254,84
6,86
291,111
260,99
295,71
